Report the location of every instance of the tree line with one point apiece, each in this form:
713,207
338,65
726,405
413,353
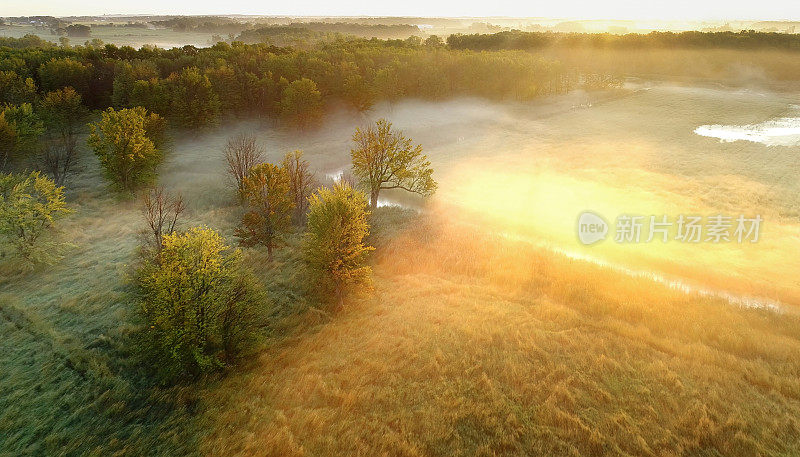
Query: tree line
253,79
519,40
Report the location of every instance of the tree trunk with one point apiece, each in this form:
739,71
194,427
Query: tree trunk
269,251
373,198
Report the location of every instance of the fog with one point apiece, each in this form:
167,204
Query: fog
529,169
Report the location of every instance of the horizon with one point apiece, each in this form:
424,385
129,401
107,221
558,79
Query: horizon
684,10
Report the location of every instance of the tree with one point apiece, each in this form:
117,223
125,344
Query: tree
126,74
15,89
78,30
301,183
301,102
199,305
358,92
123,141
241,153
153,94
228,86
385,159
161,213
333,244
20,129
29,207
63,112
194,103
66,72
266,190
434,41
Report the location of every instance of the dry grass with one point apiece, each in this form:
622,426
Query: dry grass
475,345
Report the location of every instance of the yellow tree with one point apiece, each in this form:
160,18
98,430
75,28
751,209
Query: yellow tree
125,142
199,304
333,245
269,201
385,159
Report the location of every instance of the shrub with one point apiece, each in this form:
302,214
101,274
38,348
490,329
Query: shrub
200,307
333,245
29,207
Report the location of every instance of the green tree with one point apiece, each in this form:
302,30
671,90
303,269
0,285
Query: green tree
200,307
63,113
228,86
126,74
333,244
66,72
358,92
15,89
268,197
434,41
29,207
301,102
194,103
124,142
152,94
20,129
385,159
78,30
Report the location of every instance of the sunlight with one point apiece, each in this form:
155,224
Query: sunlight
543,205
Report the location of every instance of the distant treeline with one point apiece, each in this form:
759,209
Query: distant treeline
215,24
517,40
254,32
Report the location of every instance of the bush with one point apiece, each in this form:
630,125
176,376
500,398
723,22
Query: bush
29,206
126,143
199,305
333,245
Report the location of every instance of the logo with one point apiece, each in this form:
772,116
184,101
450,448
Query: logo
591,228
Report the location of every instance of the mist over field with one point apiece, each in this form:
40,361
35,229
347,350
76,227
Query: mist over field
295,239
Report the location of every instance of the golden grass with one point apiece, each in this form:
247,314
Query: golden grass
475,345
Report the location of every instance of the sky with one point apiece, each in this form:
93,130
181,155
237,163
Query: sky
577,9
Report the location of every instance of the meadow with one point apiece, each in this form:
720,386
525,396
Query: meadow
482,337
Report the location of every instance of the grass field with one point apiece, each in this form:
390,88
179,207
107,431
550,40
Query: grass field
474,342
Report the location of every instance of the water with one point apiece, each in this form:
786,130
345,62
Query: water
337,175
783,131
